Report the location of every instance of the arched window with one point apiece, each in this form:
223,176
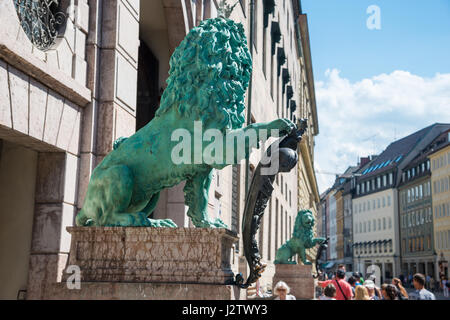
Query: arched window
42,20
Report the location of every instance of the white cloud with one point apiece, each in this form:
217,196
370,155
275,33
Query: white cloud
362,118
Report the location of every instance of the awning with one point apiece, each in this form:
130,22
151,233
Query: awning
329,265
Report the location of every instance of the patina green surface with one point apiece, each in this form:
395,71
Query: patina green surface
302,239
209,74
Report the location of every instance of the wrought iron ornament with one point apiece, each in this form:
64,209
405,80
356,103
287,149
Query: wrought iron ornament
259,194
322,247
41,21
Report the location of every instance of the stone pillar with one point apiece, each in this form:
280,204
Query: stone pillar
117,75
180,20
383,272
112,48
150,264
54,211
298,278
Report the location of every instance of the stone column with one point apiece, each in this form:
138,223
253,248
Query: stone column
112,48
180,20
54,211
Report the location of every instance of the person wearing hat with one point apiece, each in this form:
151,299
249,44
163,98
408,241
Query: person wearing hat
370,286
343,289
373,278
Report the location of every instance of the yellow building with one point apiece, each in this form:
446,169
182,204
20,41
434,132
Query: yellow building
308,191
440,182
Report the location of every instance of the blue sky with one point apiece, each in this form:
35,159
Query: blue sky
414,36
376,86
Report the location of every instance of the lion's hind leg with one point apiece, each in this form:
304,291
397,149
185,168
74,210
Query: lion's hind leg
284,254
111,193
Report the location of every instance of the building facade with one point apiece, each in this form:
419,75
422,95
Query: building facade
416,218
376,218
339,226
440,182
332,228
374,234
323,221
66,98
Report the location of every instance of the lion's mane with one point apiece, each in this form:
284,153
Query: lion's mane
306,234
209,74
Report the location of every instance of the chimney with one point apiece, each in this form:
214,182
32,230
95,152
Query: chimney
364,161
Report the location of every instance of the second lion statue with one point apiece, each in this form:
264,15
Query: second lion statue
209,74
302,239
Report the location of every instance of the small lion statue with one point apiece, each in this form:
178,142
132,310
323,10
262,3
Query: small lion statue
302,239
209,74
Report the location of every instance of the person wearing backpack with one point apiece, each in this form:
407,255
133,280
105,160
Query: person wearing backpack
343,289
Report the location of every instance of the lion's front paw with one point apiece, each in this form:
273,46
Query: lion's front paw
217,223
162,223
285,126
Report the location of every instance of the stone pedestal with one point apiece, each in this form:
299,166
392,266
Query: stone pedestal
149,263
298,278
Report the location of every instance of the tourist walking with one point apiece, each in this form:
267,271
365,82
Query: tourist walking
282,291
445,285
402,294
343,289
329,293
371,289
420,292
373,279
352,282
432,284
361,293
389,292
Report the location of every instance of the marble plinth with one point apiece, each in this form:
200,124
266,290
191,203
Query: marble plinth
144,291
298,278
152,255
146,264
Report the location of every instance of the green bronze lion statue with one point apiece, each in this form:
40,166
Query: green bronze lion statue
209,74
302,239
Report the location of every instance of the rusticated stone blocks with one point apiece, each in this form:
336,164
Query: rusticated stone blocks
157,255
298,278
144,291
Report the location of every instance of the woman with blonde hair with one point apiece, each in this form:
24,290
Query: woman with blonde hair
282,291
361,293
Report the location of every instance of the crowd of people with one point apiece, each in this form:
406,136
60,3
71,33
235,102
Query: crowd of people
356,287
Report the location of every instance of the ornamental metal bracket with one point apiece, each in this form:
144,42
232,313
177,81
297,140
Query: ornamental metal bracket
260,191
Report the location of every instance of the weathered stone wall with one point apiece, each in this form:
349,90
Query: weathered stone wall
42,100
